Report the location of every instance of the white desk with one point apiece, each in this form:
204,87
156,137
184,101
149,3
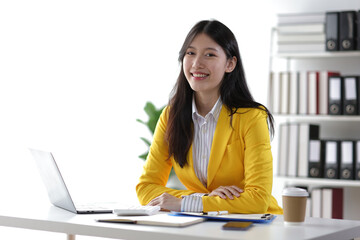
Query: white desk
57,220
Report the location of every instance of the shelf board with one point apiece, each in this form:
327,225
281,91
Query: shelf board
328,118
318,54
320,182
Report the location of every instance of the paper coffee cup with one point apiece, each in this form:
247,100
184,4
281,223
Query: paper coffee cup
294,205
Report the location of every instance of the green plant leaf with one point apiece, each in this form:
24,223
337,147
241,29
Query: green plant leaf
147,142
150,109
153,115
172,172
141,121
144,155
152,125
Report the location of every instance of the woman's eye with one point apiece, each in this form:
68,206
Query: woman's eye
210,55
190,53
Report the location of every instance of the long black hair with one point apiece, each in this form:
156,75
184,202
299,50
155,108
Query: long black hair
234,91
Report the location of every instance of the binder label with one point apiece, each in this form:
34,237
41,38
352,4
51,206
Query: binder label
331,152
350,89
335,86
314,155
347,152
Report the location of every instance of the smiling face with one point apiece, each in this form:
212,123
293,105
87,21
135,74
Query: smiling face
205,64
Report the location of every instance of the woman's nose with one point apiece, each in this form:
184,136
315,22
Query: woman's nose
198,62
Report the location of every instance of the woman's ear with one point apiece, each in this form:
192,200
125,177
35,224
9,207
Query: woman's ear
231,64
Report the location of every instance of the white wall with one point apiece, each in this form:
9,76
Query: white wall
75,75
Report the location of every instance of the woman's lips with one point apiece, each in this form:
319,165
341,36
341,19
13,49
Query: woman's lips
199,76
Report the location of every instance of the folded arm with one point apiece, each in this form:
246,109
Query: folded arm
258,176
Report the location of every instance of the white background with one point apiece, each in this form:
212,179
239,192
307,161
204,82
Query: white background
75,75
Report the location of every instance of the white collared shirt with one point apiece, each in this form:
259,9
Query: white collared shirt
204,129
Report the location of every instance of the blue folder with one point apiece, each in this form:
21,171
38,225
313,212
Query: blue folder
256,218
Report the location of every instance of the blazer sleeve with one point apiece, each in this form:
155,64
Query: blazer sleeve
157,167
258,170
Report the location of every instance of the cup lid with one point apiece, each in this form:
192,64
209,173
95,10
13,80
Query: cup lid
295,192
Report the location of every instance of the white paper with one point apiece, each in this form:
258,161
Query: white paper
314,151
350,89
335,86
331,152
347,152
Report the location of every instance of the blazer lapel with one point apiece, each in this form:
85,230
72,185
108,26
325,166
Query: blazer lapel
195,182
222,133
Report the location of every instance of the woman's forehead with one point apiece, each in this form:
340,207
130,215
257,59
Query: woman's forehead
203,41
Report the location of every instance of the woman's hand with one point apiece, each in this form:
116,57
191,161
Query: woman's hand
167,202
227,191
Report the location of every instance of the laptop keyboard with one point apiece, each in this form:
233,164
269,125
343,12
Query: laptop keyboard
95,206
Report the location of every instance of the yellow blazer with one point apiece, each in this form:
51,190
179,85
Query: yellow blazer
240,155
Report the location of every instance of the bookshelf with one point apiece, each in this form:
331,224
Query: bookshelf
316,118
354,54
331,126
319,182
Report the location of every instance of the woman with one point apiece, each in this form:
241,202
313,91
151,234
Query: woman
213,133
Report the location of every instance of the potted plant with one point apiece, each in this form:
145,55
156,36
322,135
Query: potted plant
154,114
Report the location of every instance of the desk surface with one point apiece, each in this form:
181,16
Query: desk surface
57,220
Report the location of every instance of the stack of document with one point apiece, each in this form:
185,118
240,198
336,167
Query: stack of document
301,32
256,218
161,219
182,219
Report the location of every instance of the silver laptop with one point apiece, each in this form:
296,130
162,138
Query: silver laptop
57,190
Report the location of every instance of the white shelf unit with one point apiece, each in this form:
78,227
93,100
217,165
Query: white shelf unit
320,182
338,54
330,118
331,127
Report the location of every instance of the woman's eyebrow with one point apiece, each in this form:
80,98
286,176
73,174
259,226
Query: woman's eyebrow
208,48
